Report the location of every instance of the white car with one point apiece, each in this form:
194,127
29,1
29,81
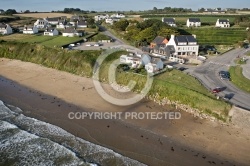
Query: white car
88,45
97,44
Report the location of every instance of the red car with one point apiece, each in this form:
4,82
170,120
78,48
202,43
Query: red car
217,90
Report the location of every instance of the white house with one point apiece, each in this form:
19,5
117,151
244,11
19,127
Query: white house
117,15
41,23
193,22
169,21
112,20
185,45
222,23
71,32
30,30
101,17
5,29
156,64
51,32
81,24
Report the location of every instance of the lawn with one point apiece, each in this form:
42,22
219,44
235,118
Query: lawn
238,78
60,41
49,41
216,36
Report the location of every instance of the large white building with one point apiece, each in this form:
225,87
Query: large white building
5,29
222,23
185,45
193,22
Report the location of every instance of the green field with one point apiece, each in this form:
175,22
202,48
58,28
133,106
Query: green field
238,78
49,41
216,36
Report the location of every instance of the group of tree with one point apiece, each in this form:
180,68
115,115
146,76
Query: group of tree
10,12
242,20
142,33
170,10
76,10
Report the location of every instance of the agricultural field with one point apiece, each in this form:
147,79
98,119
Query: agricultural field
49,41
216,36
43,15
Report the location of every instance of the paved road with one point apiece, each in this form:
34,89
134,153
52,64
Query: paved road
208,74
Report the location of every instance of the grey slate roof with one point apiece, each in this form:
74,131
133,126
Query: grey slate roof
2,25
158,40
71,30
82,23
184,39
194,20
223,20
53,19
169,20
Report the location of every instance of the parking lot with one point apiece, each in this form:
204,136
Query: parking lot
90,46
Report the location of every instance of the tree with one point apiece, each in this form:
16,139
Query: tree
147,35
121,25
26,11
90,21
10,12
167,32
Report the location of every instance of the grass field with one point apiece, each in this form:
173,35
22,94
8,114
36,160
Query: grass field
49,41
216,36
238,78
43,15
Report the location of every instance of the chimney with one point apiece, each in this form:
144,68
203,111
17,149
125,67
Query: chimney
172,37
194,36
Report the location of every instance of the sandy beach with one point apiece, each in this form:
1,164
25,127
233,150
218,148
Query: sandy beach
50,95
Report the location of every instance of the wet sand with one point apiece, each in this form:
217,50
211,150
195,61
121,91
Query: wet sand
49,95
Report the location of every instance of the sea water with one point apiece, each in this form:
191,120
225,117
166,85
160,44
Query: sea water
28,141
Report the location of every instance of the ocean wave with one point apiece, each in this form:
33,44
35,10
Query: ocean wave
33,142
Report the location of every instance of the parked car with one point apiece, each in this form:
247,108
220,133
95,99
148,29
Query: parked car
217,90
228,96
224,75
88,45
96,44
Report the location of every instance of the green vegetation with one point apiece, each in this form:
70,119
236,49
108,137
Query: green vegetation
238,78
99,37
142,33
49,41
76,62
216,36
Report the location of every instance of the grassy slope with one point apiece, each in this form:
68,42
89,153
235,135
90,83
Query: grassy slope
238,78
49,41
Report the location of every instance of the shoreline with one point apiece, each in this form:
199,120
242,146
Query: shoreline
151,142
